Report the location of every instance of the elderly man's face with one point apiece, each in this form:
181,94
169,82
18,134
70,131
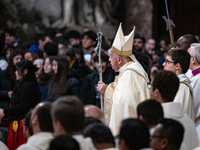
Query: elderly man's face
114,58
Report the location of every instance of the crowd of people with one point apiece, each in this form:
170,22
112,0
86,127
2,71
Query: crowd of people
51,94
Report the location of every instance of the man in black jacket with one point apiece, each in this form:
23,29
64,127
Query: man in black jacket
89,92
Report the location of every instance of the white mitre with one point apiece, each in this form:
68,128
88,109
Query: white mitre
122,45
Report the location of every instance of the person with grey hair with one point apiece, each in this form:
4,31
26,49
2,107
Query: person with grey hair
195,81
189,72
129,88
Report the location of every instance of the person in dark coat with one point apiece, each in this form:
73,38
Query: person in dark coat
25,96
7,77
89,92
45,77
77,69
61,84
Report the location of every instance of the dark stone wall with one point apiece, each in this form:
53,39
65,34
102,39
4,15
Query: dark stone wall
139,14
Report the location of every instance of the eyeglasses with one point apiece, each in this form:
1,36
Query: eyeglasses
168,62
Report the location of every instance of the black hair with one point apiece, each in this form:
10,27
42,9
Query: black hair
51,49
10,31
59,79
99,133
151,111
180,56
167,83
91,34
73,34
10,70
26,64
135,134
50,32
91,120
170,127
64,142
29,76
104,57
140,36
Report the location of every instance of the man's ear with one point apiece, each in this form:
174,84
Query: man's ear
120,59
140,117
58,128
178,66
156,93
34,120
122,145
164,143
193,60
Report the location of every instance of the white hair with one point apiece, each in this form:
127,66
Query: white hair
195,52
38,62
126,58
195,44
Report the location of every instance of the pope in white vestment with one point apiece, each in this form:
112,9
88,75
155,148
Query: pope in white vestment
130,90
130,86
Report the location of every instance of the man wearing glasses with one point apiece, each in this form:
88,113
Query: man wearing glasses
178,61
165,85
164,137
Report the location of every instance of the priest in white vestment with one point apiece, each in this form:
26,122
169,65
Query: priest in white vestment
178,61
129,88
194,51
164,88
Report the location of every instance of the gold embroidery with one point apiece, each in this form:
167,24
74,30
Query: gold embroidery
108,100
108,97
126,53
188,85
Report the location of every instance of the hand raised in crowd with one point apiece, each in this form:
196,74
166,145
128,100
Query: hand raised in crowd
1,113
10,94
101,86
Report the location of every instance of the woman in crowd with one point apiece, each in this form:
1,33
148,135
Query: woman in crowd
7,77
61,84
25,96
76,69
155,66
45,77
29,55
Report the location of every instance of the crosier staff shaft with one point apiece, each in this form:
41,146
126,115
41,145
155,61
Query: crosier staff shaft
98,51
